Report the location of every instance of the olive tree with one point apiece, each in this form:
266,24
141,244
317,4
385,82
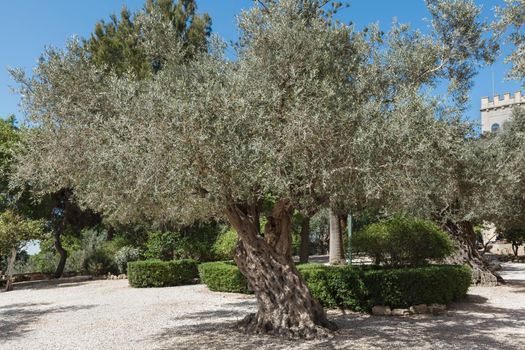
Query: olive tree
311,112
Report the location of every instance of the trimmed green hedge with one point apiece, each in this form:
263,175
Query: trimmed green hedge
360,288
223,277
335,286
157,273
439,284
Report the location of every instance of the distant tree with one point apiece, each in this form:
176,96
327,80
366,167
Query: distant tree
9,137
116,44
15,232
516,236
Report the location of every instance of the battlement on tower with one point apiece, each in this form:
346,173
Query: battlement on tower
498,102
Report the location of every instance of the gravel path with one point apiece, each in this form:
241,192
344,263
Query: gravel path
110,315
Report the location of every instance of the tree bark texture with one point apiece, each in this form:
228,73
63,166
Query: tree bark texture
285,305
304,250
10,266
336,253
464,238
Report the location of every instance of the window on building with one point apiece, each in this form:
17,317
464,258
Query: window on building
495,127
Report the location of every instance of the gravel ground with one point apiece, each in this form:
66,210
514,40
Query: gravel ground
110,315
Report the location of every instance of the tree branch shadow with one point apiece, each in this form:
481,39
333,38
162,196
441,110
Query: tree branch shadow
474,324
16,320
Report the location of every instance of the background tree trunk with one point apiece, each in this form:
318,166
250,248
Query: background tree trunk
59,271
285,305
10,265
464,238
336,253
515,248
304,250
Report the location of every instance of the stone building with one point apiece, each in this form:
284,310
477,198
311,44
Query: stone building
495,113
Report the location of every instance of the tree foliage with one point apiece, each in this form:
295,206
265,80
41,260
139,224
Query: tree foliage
9,137
116,45
284,119
511,18
16,231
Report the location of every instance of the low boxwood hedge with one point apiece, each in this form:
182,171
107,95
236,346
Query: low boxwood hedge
223,276
360,288
401,288
157,273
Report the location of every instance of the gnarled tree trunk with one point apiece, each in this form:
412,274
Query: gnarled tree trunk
304,249
466,253
10,266
336,252
285,305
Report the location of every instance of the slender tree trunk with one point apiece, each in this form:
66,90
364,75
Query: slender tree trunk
466,253
10,266
285,305
304,251
61,251
515,248
110,233
336,253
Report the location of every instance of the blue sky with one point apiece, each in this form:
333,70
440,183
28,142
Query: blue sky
28,26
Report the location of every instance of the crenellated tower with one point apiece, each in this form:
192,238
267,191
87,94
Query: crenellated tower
496,112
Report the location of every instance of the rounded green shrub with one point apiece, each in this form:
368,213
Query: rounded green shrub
223,276
224,246
157,273
403,241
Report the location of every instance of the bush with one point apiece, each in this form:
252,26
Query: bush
157,273
403,241
224,246
439,284
99,262
223,277
360,288
336,287
43,261
124,255
161,245
189,242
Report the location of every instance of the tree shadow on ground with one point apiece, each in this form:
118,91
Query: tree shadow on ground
16,320
515,285
472,325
